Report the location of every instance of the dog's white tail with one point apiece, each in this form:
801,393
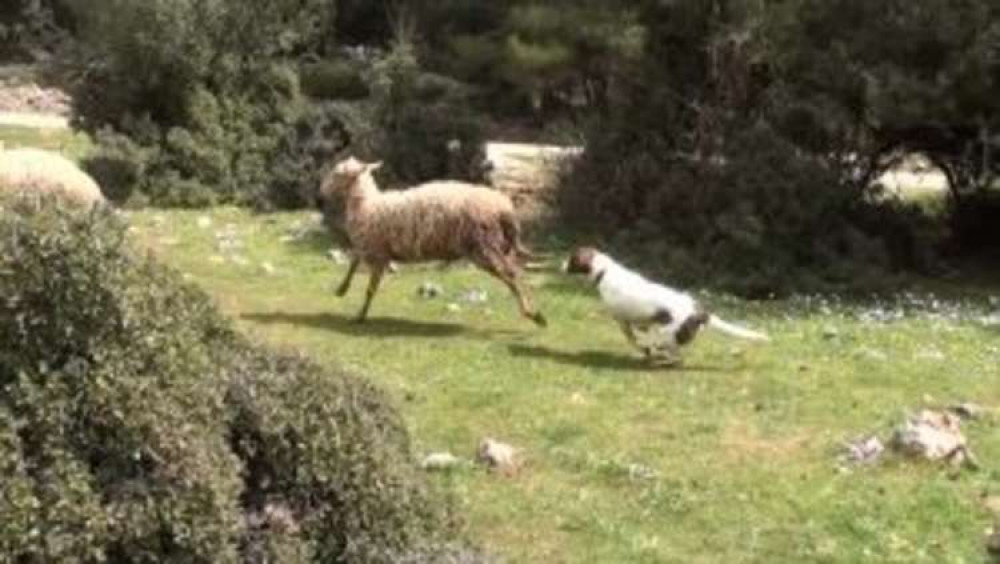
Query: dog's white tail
735,330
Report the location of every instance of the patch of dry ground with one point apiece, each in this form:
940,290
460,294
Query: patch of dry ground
24,103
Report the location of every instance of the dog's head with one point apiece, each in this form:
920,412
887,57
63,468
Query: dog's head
581,261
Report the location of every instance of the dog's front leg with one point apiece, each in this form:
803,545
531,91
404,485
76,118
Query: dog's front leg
629,331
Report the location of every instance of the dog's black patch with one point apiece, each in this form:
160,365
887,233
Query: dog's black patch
580,261
689,329
663,316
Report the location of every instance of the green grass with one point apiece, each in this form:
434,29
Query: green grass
730,459
73,144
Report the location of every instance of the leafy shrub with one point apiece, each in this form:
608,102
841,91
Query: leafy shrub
333,80
761,221
136,425
424,127
29,28
200,98
723,165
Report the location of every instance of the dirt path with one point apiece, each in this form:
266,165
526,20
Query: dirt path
35,120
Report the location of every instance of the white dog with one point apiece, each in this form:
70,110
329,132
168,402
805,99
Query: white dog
672,316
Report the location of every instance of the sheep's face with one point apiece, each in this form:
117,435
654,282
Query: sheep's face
345,172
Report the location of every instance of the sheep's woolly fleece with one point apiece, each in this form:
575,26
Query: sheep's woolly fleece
433,221
35,171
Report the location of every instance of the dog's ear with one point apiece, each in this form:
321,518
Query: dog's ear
372,167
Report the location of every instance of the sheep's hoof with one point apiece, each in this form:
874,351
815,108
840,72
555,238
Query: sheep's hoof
360,319
539,319
341,292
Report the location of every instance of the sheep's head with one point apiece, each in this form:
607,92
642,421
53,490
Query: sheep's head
345,173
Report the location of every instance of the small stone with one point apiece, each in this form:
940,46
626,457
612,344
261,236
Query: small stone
637,472
934,435
866,450
454,308
498,456
268,268
204,222
440,461
830,333
475,297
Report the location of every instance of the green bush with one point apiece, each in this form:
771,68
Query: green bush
333,80
423,125
762,221
136,425
728,171
201,99
32,28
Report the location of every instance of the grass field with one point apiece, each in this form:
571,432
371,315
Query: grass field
73,145
733,458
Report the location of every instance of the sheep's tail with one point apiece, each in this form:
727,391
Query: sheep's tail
735,330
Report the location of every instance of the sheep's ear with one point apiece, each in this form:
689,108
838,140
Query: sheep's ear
374,166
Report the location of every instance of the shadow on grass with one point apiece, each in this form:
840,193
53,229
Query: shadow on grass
601,359
373,327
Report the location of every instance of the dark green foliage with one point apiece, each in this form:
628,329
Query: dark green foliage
898,77
30,29
333,80
136,425
543,59
420,124
202,91
725,170
307,440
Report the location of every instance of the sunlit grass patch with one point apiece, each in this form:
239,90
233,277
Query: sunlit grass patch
733,458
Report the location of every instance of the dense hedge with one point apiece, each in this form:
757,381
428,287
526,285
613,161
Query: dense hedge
137,425
196,103
721,165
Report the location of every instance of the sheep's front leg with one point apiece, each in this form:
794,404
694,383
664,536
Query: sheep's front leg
373,281
345,284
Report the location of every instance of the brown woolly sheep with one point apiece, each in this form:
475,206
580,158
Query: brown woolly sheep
444,220
35,171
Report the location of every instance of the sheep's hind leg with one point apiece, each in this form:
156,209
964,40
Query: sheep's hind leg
497,265
345,284
373,281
